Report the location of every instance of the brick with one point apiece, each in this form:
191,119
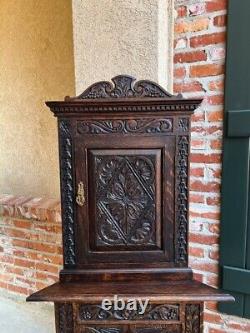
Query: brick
206,70
215,130
191,26
212,306
244,327
213,116
189,57
206,215
200,186
198,277
198,144
212,280
214,254
196,198
216,144
220,21
217,85
213,6
180,73
208,39
181,11
213,318
196,252
206,267
203,239
188,87
214,227
213,201
199,115
18,289
215,330
215,100
197,172
206,158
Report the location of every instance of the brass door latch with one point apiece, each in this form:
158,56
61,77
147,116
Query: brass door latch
80,198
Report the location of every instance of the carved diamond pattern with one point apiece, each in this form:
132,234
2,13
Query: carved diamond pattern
125,200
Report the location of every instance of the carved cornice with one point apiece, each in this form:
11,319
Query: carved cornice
123,86
137,106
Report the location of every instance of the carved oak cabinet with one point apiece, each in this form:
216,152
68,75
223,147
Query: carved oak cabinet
124,163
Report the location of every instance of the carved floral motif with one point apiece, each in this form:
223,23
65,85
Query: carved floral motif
125,126
153,312
125,200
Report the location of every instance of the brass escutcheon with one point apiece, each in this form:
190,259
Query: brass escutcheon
80,198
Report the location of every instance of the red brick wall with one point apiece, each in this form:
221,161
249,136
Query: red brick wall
200,36
30,243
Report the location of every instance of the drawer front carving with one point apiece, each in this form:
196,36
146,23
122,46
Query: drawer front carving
158,329
159,312
96,329
133,329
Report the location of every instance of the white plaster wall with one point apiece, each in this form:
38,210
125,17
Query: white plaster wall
114,37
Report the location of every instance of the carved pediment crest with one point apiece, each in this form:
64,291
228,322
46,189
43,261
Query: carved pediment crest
123,86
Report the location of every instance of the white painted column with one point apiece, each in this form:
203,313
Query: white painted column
114,37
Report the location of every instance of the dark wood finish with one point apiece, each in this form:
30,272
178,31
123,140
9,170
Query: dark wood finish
160,318
155,291
124,161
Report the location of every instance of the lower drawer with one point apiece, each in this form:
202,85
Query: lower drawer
132,329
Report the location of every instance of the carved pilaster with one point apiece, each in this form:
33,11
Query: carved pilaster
193,322
64,318
182,199
67,192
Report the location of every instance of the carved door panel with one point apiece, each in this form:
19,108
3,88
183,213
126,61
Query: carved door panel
129,192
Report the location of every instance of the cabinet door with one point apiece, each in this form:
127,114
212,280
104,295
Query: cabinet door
128,213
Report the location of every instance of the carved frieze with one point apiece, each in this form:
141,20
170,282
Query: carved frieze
165,312
126,126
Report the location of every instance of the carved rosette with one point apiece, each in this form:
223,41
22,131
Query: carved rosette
182,198
67,192
123,86
125,126
125,200
162,312
193,323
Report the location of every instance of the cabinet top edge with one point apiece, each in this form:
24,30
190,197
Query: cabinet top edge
123,105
